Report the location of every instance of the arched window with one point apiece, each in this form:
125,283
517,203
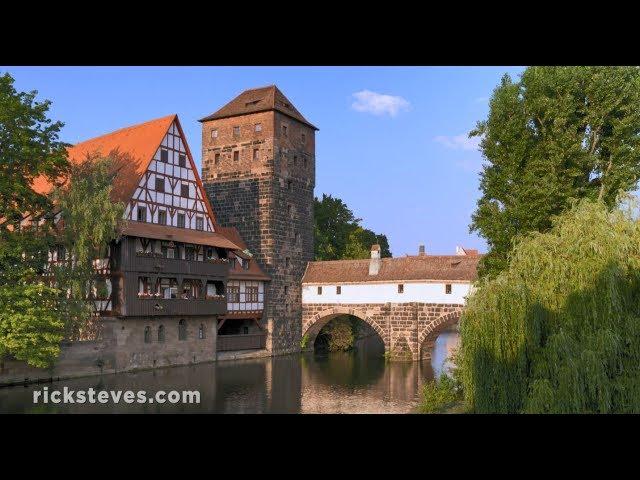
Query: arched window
201,331
161,334
182,329
147,334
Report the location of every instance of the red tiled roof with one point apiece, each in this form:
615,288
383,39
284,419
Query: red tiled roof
254,272
424,267
259,100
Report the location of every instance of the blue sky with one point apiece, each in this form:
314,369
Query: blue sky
392,142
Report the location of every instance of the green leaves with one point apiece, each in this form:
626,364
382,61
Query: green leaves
338,234
557,135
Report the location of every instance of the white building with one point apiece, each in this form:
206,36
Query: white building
421,278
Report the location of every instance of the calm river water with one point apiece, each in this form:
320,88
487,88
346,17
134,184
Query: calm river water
357,382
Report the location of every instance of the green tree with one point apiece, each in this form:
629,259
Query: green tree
29,149
338,234
556,135
558,330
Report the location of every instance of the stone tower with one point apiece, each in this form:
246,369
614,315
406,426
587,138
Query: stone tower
258,169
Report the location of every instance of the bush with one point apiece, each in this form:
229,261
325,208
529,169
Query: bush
559,330
439,395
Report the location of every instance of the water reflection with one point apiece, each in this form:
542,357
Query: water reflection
358,382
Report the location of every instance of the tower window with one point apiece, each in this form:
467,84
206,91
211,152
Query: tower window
286,262
236,155
199,223
164,155
289,184
236,131
284,130
304,138
319,290
142,214
400,288
447,289
338,290
256,151
182,330
182,160
162,217
214,134
160,185
304,161
258,127
295,160
147,334
286,289
181,220
161,334
184,190
216,159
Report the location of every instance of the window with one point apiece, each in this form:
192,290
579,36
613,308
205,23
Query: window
216,159
256,152
252,294
164,155
189,252
182,330
303,137
214,134
258,127
199,223
295,160
236,155
161,334
144,286
289,184
142,214
147,334
304,162
297,237
400,288
182,160
245,330
284,130
184,190
338,290
181,220
286,289
233,294
319,290
236,131
286,262
168,250
159,184
162,217
168,288
201,332
447,288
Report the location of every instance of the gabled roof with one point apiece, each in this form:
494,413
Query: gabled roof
423,267
133,149
259,100
186,235
254,272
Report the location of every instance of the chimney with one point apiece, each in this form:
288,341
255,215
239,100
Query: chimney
421,250
374,263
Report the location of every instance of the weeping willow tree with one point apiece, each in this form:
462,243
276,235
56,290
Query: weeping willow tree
558,331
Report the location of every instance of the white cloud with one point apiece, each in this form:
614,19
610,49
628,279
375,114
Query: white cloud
378,103
459,142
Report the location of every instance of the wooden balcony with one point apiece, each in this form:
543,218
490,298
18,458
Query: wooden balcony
172,266
174,307
256,341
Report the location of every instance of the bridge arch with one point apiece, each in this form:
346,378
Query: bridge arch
311,327
428,336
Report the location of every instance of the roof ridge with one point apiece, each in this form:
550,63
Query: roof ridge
137,125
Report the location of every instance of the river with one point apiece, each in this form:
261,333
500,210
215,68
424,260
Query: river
353,382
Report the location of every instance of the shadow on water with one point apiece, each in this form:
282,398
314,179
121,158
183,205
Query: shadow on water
350,382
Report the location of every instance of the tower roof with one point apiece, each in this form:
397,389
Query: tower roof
256,100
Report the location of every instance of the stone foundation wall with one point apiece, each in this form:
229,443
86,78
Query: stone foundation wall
122,348
408,330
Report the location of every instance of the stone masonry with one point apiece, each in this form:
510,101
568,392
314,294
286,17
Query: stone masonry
261,182
408,330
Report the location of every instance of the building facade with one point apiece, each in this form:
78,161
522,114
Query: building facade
258,169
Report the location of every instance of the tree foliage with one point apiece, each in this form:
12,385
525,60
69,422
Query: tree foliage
29,149
556,135
558,331
338,234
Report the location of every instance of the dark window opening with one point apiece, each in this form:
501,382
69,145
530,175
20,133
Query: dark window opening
447,288
319,290
142,214
304,138
164,155
284,130
338,290
256,152
184,190
162,217
236,155
295,160
161,334
245,330
286,262
216,159
182,330
147,334
182,160
289,184
160,185
199,223
181,220
401,288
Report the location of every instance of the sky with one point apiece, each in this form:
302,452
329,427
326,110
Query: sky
392,143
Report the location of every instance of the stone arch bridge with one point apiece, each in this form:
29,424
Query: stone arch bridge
408,330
